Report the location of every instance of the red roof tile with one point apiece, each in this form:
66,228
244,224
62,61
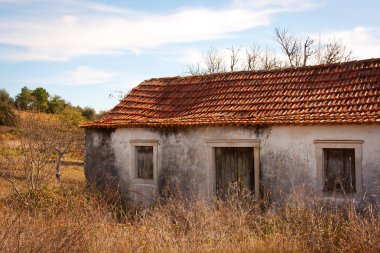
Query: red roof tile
345,93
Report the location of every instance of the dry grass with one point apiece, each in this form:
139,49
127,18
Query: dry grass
73,218
72,171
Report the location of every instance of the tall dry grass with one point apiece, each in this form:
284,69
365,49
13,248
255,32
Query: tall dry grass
74,218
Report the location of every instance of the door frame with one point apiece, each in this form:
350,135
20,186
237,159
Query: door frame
238,143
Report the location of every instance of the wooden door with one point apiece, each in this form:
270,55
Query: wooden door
233,166
339,165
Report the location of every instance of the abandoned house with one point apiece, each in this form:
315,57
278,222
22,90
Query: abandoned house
315,126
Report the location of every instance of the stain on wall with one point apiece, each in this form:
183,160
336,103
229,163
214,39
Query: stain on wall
99,162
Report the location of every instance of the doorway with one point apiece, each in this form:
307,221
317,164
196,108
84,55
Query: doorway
234,170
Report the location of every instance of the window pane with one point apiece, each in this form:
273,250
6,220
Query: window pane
339,170
144,162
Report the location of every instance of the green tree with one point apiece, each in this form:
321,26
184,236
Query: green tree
56,104
89,113
6,108
72,115
41,99
25,99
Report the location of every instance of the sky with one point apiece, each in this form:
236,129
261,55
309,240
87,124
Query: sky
85,50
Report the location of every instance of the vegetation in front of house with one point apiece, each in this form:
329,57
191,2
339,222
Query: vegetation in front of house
74,218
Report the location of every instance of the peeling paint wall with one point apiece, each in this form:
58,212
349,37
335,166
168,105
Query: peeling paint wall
287,156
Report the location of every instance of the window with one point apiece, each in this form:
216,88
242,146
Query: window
339,167
144,157
339,170
144,161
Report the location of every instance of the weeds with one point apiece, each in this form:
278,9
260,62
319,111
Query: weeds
75,218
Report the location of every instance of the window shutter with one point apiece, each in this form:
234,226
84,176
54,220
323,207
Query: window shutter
144,162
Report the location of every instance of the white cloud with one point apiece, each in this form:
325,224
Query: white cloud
299,4
364,42
194,56
89,76
105,29
191,56
84,75
105,8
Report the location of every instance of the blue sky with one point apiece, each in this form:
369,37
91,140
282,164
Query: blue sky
83,50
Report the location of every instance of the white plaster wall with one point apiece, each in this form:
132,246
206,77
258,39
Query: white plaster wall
299,142
185,152
121,144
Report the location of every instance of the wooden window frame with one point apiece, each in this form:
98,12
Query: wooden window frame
357,145
243,143
138,143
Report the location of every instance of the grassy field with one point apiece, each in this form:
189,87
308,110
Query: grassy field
73,217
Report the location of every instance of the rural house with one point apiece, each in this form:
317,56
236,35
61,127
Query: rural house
315,126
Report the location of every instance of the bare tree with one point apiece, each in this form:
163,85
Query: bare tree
194,69
234,58
269,60
303,52
36,150
296,50
289,45
214,61
118,95
307,50
252,59
255,59
65,139
332,52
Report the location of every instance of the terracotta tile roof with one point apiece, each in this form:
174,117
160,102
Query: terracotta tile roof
346,93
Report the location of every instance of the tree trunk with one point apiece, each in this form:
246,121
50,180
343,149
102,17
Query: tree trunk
58,168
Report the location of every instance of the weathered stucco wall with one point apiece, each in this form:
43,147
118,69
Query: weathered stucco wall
99,166
287,156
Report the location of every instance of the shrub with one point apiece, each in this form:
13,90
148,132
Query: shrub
7,114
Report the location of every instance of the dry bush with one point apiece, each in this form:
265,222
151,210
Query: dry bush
56,219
